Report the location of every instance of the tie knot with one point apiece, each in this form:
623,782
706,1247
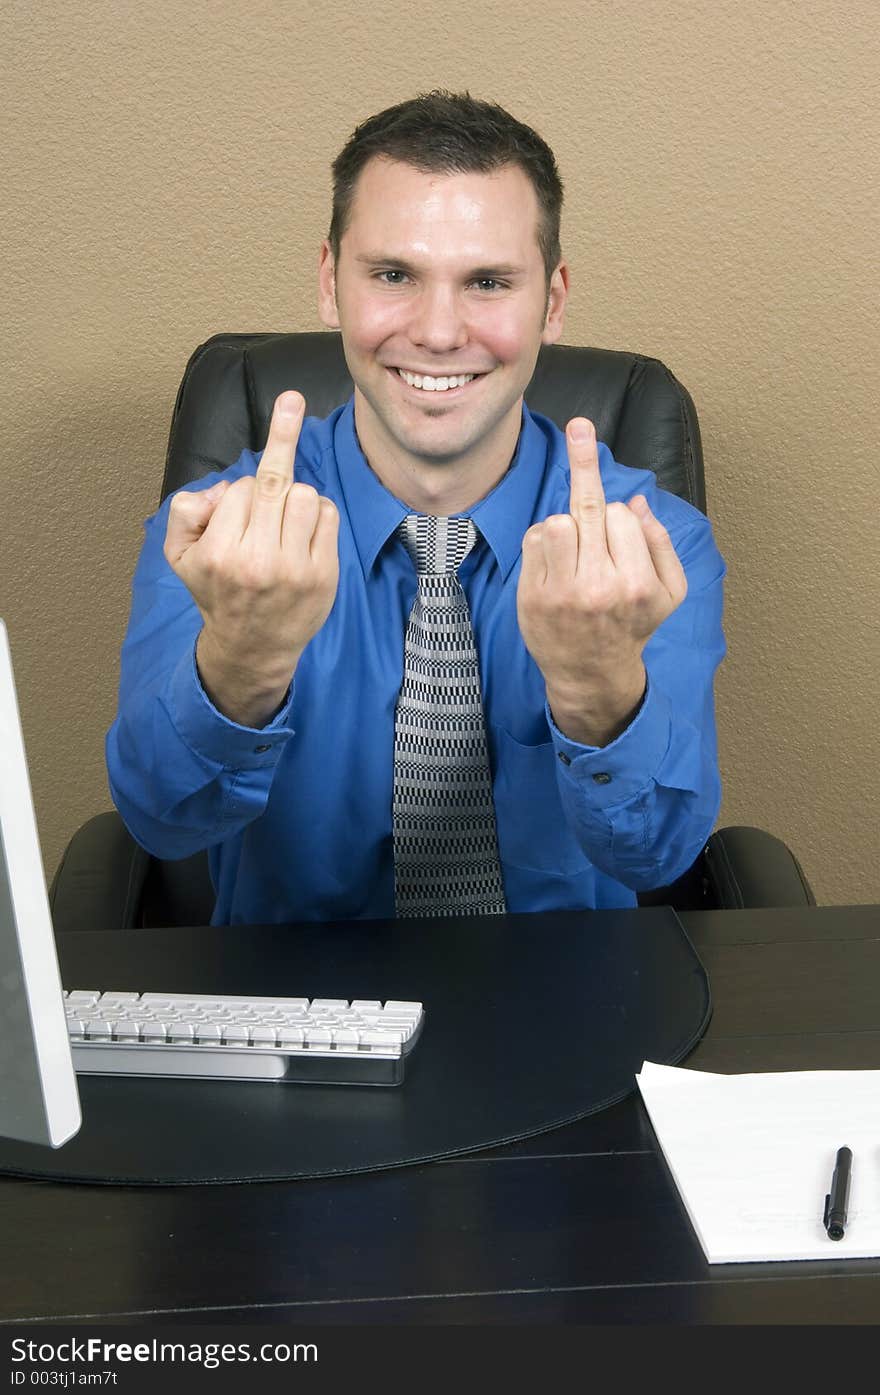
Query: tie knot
436,545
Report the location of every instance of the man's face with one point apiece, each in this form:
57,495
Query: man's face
441,275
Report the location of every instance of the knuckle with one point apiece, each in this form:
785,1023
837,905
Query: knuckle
573,602
589,505
256,574
299,571
240,491
570,594
638,595
271,484
212,564
181,504
598,597
618,512
636,588
556,605
304,502
304,493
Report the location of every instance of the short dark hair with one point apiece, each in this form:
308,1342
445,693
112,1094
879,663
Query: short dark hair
451,133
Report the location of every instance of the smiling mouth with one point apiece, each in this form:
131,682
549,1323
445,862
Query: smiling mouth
439,386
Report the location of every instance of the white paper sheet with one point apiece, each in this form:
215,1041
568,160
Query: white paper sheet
752,1156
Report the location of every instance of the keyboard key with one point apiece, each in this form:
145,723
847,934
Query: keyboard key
236,1034
318,1036
291,1035
375,1036
209,1033
346,1037
265,1035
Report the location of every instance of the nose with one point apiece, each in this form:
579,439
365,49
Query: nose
438,320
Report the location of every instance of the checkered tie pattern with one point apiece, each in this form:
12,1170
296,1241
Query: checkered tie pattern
445,842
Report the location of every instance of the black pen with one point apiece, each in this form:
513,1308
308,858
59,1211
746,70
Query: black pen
837,1200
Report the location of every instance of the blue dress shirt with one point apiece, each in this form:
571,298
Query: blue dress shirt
296,816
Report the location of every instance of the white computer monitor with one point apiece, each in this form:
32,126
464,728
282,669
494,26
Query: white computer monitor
39,1099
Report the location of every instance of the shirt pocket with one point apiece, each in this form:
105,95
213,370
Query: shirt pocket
533,831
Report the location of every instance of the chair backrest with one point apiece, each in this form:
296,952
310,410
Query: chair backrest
640,410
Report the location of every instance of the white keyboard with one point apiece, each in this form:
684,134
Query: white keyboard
322,1040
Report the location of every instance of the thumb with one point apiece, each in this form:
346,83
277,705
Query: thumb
189,514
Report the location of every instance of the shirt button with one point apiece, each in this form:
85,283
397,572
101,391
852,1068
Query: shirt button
566,760
258,750
602,777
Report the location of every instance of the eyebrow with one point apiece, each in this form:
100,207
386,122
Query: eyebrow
401,264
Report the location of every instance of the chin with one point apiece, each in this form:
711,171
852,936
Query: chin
432,453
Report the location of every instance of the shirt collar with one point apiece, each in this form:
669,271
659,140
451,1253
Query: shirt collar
507,512
502,517
373,512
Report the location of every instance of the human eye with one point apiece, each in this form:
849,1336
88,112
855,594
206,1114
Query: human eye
395,277
490,283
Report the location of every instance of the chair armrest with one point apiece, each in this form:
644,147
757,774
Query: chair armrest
739,868
747,867
99,881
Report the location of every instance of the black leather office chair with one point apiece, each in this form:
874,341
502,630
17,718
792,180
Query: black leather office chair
223,406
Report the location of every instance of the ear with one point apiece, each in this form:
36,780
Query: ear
556,298
327,309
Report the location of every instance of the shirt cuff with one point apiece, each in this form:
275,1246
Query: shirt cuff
213,736
618,772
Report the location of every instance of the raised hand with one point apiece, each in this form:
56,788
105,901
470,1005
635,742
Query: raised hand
595,584
260,559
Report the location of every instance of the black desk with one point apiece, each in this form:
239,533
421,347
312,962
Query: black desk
512,1235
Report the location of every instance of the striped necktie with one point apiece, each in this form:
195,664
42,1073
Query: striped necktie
445,845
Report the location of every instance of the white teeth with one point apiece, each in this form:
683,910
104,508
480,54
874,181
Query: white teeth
427,384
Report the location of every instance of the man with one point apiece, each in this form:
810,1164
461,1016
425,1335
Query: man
266,682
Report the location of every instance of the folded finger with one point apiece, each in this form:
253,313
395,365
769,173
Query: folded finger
665,559
325,538
301,512
627,544
534,563
559,539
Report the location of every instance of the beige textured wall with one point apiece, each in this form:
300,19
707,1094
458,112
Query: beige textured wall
168,178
